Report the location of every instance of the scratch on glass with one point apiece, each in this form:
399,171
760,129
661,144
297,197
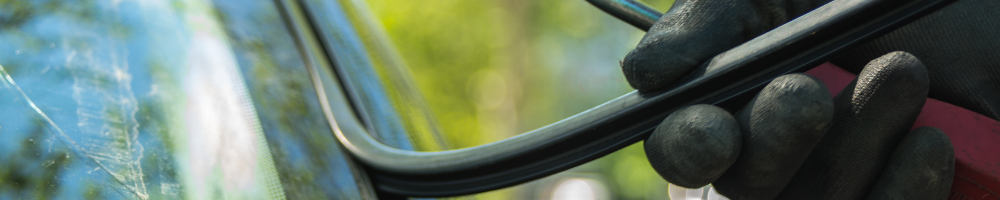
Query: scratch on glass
99,159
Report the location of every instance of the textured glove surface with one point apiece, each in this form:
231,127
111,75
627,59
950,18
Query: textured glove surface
959,45
871,116
695,30
784,121
798,143
867,151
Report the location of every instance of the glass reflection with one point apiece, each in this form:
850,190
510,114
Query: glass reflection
159,100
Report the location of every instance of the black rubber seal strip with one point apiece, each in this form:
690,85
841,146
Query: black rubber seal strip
797,46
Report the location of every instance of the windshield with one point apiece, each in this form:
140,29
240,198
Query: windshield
160,99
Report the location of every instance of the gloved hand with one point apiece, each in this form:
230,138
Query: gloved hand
792,141
959,45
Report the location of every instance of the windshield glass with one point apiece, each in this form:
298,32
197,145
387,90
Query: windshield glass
160,99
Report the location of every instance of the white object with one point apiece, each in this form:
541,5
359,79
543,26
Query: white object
703,193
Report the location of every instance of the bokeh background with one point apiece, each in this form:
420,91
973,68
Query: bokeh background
492,69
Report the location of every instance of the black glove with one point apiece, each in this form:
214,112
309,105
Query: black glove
793,141
959,44
693,31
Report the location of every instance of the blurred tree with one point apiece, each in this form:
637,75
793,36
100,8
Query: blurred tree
494,69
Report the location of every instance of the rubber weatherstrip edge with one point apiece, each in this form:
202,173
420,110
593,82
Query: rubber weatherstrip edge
629,11
794,47
315,61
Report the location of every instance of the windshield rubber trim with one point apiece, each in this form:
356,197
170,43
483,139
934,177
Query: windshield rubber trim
629,11
797,46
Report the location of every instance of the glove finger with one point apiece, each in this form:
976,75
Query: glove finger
921,167
694,146
870,117
695,30
781,125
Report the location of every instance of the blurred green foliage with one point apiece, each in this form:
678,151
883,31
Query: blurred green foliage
493,69
472,57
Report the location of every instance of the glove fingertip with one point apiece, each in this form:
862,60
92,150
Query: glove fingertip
871,116
694,146
652,66
781,126
921,167
796,103
900,69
